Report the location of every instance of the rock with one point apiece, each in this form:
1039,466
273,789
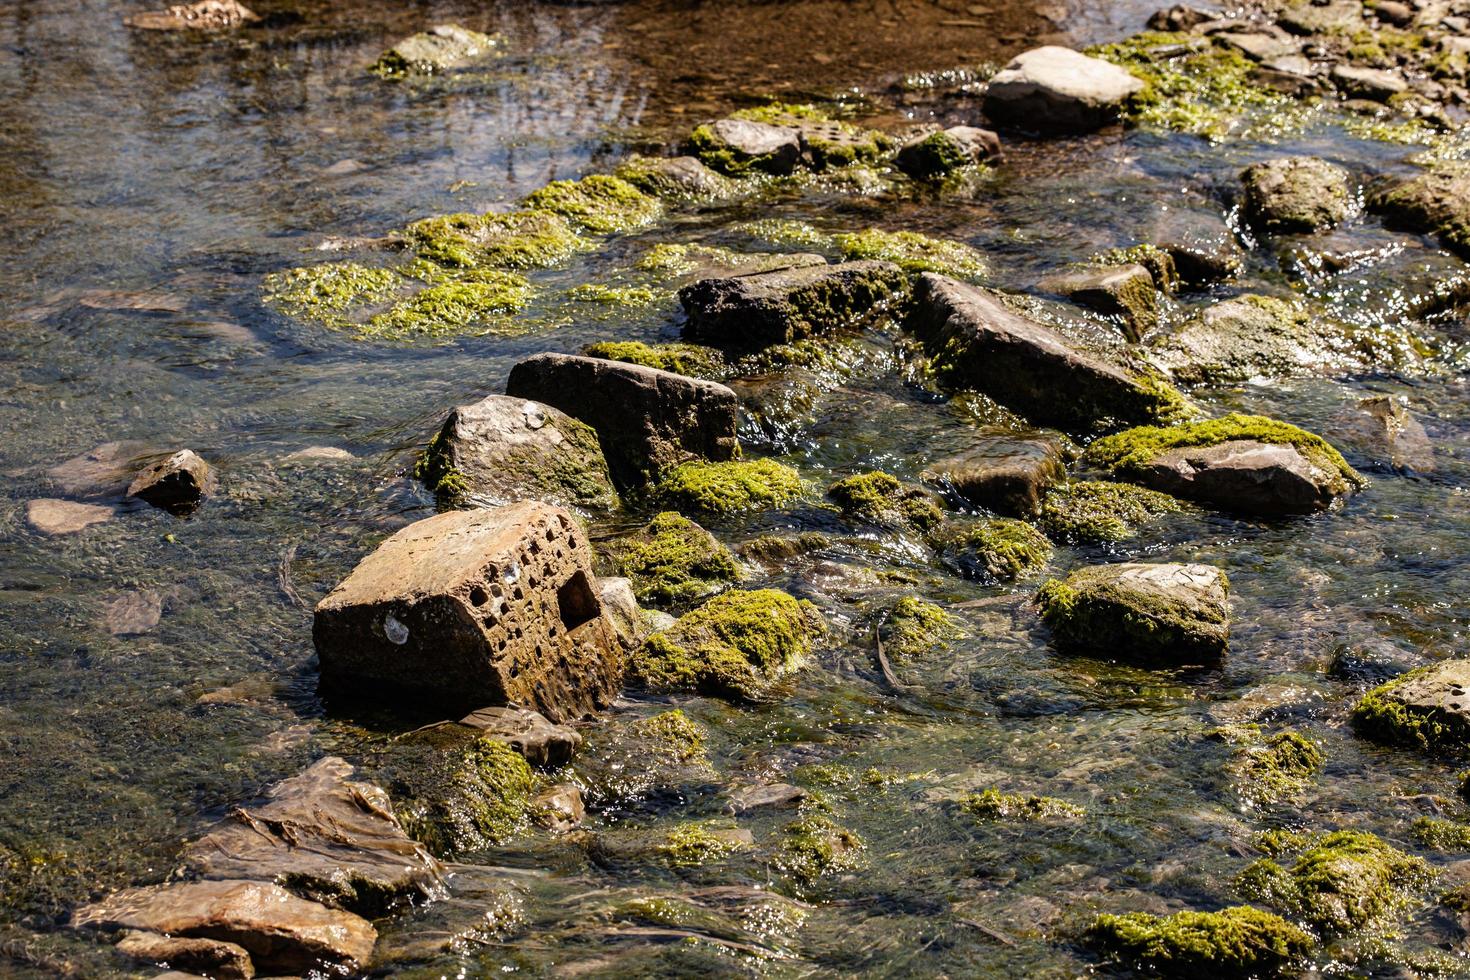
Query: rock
621,606
1437,202
979,342
1393,12
1102,512
211,957
57,517
655,761
1334,17
176,484
880,499
282,933
1396,435
1370,659
680,178
1123,291
1054,89
1203,260
1179,18
1377,84
443,47
947,150
995,550
319,454
470,609
737,146
1242,941
559,808
544,745
1175,615
1260,46
326,837
1426,709
1297,194
778,307
1006,475
1291,74
647,420
205,15
672,561
134,613
775,796
101,473
502,449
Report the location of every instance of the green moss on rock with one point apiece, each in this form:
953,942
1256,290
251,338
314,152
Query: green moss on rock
693,844
1118,611
936,155
914,252
729,488
598,203
814,846
992,804
914,627
1236,942
1276,769
611,294
673,560
452,308
1159,263
326,293
672,735
996,550
773,550
1097,512
880,499
692,360
527,239
734,646
1415,711
1441,835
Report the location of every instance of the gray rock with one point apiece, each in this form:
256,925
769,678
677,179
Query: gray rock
443,47
1370,660
177,484
209,957
502,449
1246,477
1055,89
646,420
1004,474
947,150
1427,709
766,796
1170,614
326,837
680,178
1333,17
543,744
1260,46
559,808
622,608
134,613
58,517
1203,259
1297,194
1123,291
735,146
1436,202
1395,435
1377,84
778,307
101,473
1026,365
470,609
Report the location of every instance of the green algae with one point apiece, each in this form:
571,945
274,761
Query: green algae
914,252
652,176
598,203
672,735
1274,770
1239,942
1098,512
692,360
1441,835
673,560
520,240
914,627
693,844
326,292
731,487
1128,453
813,847
782,113
880,499
609,294
734,646
1342,882
1381,716
785,233
936,155
992,804
478,305
996,550
434,469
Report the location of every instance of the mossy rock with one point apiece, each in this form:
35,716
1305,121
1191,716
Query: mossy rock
598,203
684,847
915,627
1441,835
444,47
993,805
1434,203
735,646
1158,261
774,550
673,560
1125,293
647,761
683,179
1098,512
1155,613
913,252
996,550
826,143
1237,942
880,499
520,240
813,847
481,304
1273,769
1426,709
458,790
1340,882
742,147
730,487
691,360
328,293
1297,194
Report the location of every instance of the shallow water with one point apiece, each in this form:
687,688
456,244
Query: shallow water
186,169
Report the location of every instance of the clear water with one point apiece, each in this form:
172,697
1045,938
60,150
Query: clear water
189,168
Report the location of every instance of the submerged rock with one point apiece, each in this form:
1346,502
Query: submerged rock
1055,89
946,151
646,419
979,342
655,759
528,733
1236,942
470,609
502,449
673,560
1426,709
325,837
1094,512
1393,432
995,550
881,500
1123,291
1297,194
1006,475
739,146
1436,202
442,47
177,484
283,933
1168,614
58,517
786,305
203,15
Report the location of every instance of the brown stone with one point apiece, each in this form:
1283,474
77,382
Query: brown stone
470,609
1125,291
203,15
762,146
1245,476
134,613
543,744
559,808
57,517
103,472
210,957
647,420
176,484
1395,435
1006,475
324,836
281,932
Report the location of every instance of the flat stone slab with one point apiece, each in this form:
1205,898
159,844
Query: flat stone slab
1245,476
761,146
207,957
1055,89
473,609
58,517
1167,614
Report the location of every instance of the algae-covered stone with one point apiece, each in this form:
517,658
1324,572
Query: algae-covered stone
518,240
686,845
675,178
1340,882
442,47
1436,202
458,789
688,359
992,804
501,449
813,847
1055,89
914,626
731,487
786,305
329,292
734,646
741,146
1246,463
655,760
1005,474
947,150
1427,709
1237,942
1441,835
1096,512
995,550
1297,194
1273,769
477,305
1171,614
673,560
913,252
773,551
977,341
880,499
1123,291
598,203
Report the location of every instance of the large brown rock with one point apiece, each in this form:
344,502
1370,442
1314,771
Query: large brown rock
1245,476
326,837
282,933
647,420
778,307
979,342
470,609
1006,475
1297,194
1055,89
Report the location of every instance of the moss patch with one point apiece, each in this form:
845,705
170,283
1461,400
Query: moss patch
598,203
995,550
729,488
687,359
455,308
1096,512
914,627
673,560
326,293
692,844
992,804
1441,835
1236,942
936,155
814,846
1090,611
672,735
609,294
880,499
733,646
528,239
914,252
1276,769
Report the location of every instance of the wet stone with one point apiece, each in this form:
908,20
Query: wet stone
1427,709
1334,17
208,957
1436,202
543,744
947,150
766,796
1260,46
1370,659
103,472
204,15
58,517
1055,89
1123,291
134,613
1377,84
737,145
471,609
177,484
441,48
647,420
1395,435
1245,476
1008,476
675,177
621,605
1297,194
559,808
1179,18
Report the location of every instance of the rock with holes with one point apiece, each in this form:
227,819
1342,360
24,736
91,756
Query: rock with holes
1055,89
473,609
